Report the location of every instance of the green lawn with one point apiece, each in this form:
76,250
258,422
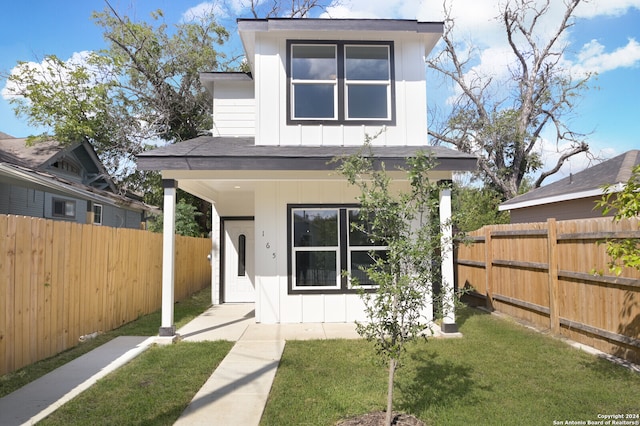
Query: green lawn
153,389
500,373
147,325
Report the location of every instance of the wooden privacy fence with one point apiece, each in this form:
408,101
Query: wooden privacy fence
61,280
555,275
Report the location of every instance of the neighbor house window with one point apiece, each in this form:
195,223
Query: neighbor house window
64,208
340,82
323,244
97,214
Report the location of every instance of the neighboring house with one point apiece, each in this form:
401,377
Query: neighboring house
573,197
58,182
281,212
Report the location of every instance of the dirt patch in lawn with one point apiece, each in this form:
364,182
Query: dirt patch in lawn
377,418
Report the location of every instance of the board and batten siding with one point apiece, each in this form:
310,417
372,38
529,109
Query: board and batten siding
271,101
274,304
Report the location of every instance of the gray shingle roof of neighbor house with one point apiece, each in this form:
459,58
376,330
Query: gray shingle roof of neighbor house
16,151
587,183
28,163
241,153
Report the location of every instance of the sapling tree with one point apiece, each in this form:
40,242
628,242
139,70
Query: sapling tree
626,205
402,221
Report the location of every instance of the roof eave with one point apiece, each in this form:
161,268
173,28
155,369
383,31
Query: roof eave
597,192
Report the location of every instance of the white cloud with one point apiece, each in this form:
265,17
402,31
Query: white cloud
594,8
593,57
219,9
39,69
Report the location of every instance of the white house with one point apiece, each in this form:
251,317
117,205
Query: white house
281,213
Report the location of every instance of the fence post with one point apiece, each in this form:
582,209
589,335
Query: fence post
552,253
488,263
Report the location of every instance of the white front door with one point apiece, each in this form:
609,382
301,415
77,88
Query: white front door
239,261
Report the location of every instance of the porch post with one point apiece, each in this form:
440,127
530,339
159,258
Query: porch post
215,255
446,252
167,327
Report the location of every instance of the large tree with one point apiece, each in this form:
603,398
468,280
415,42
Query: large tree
143,88
504,120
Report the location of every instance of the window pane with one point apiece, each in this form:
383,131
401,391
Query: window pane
70,209
58,208
315,228
316,268
360,260
367,62
313,62
313,101
356,236
367,101
242,255
97,214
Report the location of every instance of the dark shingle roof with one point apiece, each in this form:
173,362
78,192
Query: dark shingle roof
588,181
15,151
241,153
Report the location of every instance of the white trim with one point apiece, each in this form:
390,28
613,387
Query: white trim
446,244
168,256
559,198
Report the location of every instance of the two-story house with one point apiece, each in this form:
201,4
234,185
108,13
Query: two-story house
281,213
63,182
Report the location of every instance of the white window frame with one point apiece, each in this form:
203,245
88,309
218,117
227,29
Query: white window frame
343,251
341,101
99,207
295,250
303,82
359,249
68,205
385,83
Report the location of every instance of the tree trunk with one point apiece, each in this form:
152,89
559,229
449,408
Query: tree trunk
392,371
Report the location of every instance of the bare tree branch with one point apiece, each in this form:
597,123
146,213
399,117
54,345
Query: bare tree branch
503,121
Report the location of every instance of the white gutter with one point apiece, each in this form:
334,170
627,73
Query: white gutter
11,171
559,198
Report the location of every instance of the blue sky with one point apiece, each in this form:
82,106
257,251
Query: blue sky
606,38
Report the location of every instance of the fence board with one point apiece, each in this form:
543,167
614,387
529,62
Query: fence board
59,281
544,273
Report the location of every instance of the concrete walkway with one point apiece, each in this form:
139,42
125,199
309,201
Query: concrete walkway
43,396
237,391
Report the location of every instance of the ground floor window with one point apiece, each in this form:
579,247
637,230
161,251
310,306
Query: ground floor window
323,243
64,208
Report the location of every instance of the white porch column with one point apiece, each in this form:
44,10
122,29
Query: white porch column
446,247
215,255
167,327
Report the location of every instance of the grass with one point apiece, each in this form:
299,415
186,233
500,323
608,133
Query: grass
153,389
147,325
499,373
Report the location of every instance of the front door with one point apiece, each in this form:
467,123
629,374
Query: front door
239,284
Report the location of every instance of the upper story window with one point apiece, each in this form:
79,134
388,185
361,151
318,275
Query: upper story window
340,82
